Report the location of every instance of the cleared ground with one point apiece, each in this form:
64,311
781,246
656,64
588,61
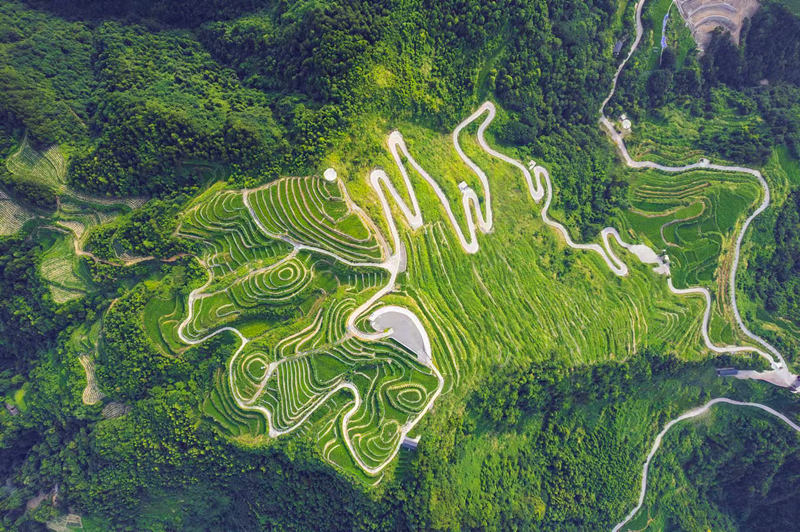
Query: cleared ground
703,16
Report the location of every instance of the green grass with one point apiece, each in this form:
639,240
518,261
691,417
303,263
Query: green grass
789,165
161,319
653,15
19,399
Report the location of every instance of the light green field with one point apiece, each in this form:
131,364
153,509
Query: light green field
19,399
47,168
693,217
12,215
292,304
651,40
83,345
279,276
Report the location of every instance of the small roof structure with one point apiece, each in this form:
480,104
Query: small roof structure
463,186
726,372
410,443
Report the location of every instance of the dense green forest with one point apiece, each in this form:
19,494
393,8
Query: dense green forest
156,100
270,93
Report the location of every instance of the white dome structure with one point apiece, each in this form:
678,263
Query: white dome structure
329,175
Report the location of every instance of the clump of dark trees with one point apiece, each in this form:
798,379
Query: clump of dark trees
270,94
775,271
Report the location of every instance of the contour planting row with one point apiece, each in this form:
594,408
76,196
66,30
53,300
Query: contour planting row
12,215
48,168
60,268
301,370
392,388
481,310
233,419
702,211
306,211
277,283
228,233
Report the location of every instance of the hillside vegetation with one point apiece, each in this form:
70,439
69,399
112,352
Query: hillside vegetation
185,296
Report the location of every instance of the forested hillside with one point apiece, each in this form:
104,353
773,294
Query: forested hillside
147,159
134,94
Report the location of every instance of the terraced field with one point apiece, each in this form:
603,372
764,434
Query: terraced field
288,264
525,294
46,168
76,212
12,215
693,216
295,270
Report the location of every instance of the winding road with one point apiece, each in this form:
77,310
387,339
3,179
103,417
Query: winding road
479,217
688,415
393,265
780,373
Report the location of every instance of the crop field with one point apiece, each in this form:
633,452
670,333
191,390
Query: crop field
161,320
62,270
76,211
47,168
289,263
524,295
303,210
693,216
